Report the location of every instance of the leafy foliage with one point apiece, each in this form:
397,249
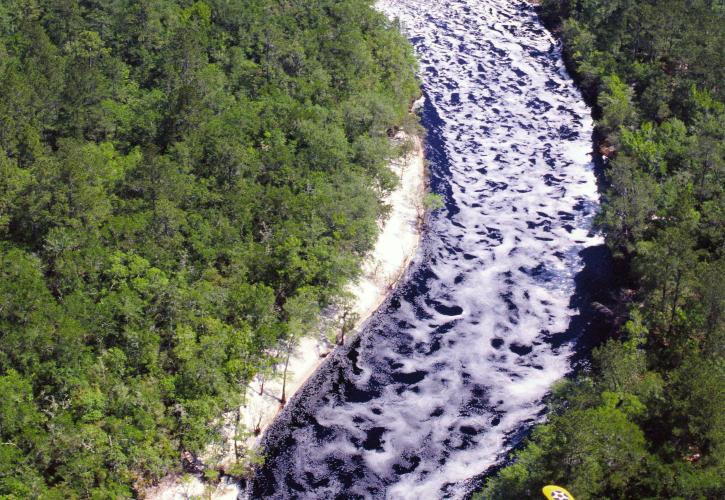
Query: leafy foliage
181,185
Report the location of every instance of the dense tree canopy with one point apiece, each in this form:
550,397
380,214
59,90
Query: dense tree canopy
176,179
648,420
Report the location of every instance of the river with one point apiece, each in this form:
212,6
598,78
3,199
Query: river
449,374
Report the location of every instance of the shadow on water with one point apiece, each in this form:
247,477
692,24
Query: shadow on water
596,282
587,329
435,154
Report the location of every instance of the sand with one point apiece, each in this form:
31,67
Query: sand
396,245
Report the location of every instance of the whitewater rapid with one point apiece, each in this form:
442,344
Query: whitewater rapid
453,368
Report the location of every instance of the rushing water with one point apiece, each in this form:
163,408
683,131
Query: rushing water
452,370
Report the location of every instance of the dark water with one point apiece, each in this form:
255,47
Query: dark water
451,371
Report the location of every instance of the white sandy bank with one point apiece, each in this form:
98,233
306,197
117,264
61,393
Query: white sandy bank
396,245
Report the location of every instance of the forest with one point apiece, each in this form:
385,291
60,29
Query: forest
183,185
647,418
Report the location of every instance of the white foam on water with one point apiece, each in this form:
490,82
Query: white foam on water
459,368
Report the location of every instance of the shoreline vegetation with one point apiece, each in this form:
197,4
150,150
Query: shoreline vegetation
396,245
184,186
647,418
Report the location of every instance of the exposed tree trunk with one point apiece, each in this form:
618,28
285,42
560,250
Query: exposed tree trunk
258,427
236,431
283,399
341,338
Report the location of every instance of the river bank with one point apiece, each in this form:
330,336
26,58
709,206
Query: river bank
395,247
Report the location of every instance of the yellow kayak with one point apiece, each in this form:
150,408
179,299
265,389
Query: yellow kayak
556,493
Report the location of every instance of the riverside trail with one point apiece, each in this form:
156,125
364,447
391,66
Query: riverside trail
451,371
